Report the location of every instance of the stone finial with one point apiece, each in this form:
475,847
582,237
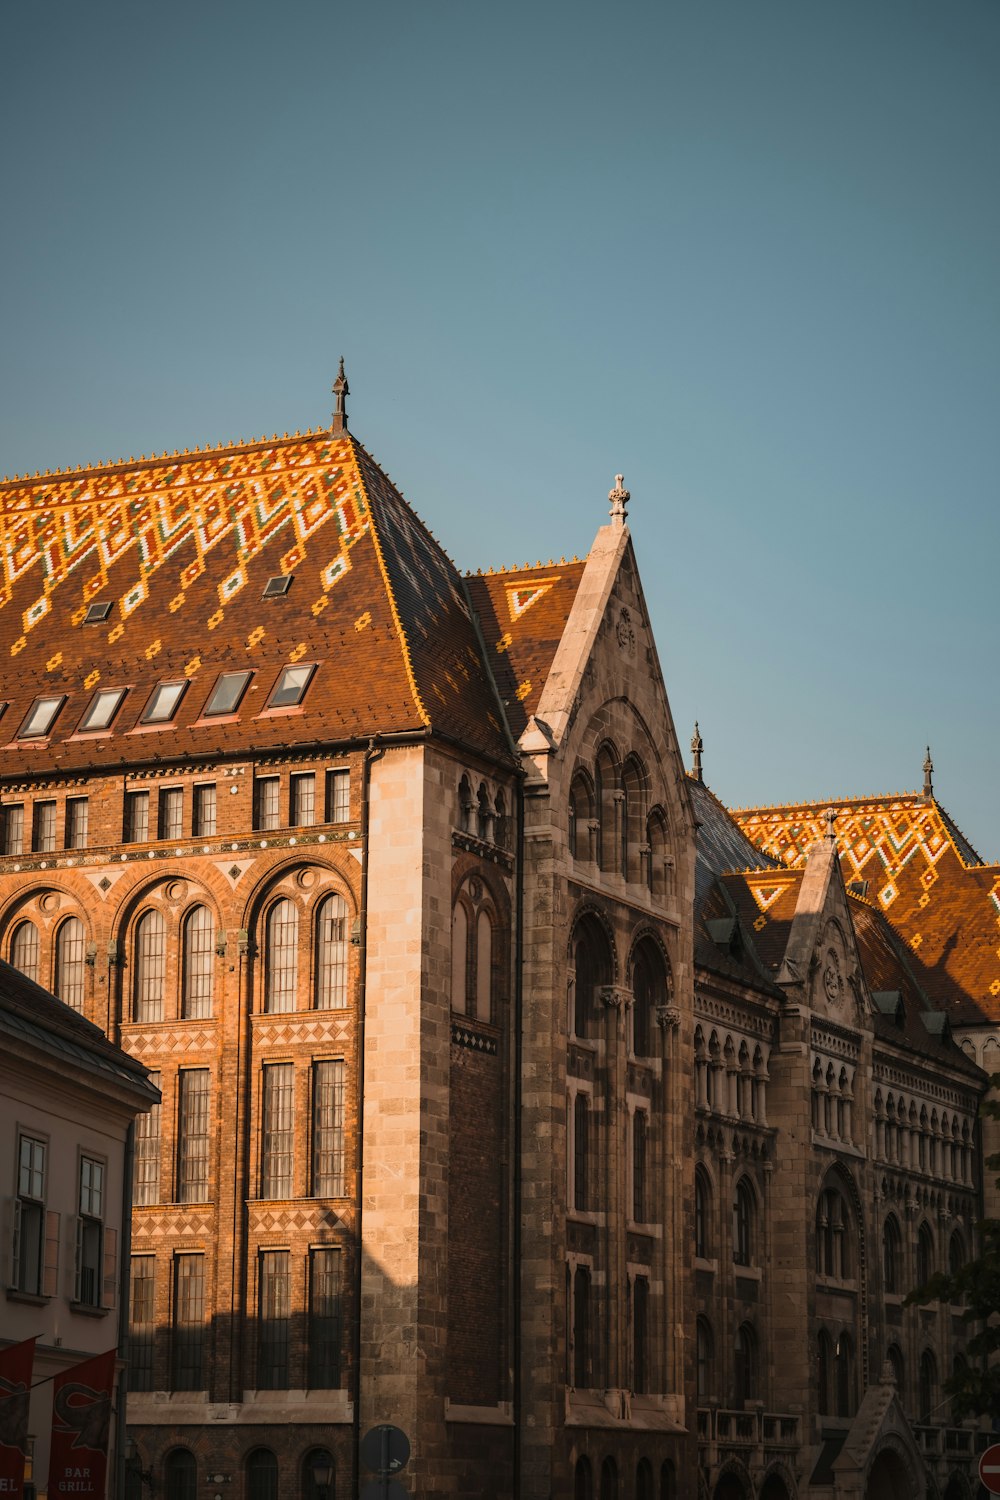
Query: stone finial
888,1376
831,823
697,746
619,498
340,389
928,774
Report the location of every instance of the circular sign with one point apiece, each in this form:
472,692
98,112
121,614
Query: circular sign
383,1489
385,1449
989,1469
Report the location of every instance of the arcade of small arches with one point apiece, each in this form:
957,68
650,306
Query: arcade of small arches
612,825
484,812
832,1100
923,1140
729,1079
602,1480
263,1478
591,985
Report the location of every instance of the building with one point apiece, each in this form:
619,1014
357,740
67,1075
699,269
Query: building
487,1041
68,1099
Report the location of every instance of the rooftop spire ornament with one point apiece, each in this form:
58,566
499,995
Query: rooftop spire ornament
340,389
831,823
697,746
619,498
928,775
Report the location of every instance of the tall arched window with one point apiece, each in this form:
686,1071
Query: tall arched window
592,964
180,1473
743,1223
928,1386
609,1479
824,1364
150,966
581,815
583,1480
956,1253
703,1359
892,1249
606,798
196,1000
657,865
484,966
895,1357
633,817
262,1475
833,1248
282,957
668,1483
24,949
702,1209
925,1255
319,1462
844,1370
70,963
651,987
459,956
331,953
644,1480
746,1363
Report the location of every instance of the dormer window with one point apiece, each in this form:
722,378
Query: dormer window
277,588
164,701
41,717
103,707
227,693
290,687
98,613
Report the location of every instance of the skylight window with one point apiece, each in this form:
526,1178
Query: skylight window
4,705
227,693
98,612
164,701
290,687
41,717
103,707
276,588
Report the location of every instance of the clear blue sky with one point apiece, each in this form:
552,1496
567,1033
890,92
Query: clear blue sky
747,253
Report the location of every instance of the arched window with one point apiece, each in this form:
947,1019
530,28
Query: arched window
70,963
644,1480
824,1365
608,811
928,1386
668,1484
833,1250
895,1357
651,987
317,1466
581,815
583,1480
282,958
196,1001
925,1255
150,966
632,828
704,1348
844,1371
484,966
609,1479
956,1253
459,956
592,965
746,1363
331,953
24,949
180,1474
702,1213
743,1223
892,1255
484,814
262,1475
581,1328
657,860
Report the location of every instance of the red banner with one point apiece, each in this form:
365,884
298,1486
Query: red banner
15,1394
81,1422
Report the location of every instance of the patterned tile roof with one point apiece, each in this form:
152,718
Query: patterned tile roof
914,865
181,549
523,613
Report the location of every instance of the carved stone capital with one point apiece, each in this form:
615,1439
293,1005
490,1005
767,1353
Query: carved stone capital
614,997
668,1017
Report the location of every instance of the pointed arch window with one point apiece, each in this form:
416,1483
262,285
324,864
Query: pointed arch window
459,956
892,1254
592,969
581,815
928,1386
925,1255
196,998
844,1373
743,1223
150,966
331,953
702,1212
484,966
282,957
70,963
746,1363
704,1347
24,949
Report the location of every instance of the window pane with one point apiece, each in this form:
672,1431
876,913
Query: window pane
328,1130
172,813
41,717
24,950
193,1143
77,822
196,1002
282,956
291,686
163,704
136,817
303,801
70,963
146,1174
338,797
227,693
45,827
102,709
262,1476
150,966
331,965
142,1325
189,1323
279,1131
272,1322
204,811
267,802
13,828
324,1320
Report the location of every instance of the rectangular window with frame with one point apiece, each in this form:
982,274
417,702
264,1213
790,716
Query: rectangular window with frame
639,1139
290,688
90,1233
278,1135
40,717
188,1329
13,828
338,796
640,1335
227,693
267,803
146,1171
273,1319
203,822
192,1135
29,1217
171,812
328,1130
43,839
302,800
77,822
142,1323
324,1327
101,710
163,702
136,830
